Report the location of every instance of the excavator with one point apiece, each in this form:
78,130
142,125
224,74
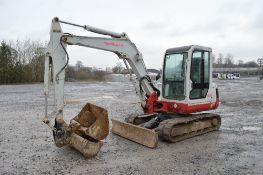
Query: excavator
174,112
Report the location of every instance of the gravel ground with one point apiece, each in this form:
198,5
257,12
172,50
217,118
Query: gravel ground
26,144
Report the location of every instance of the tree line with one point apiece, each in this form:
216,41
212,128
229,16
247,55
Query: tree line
228,61
82,73
21,62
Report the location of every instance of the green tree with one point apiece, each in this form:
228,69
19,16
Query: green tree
6,63
22,62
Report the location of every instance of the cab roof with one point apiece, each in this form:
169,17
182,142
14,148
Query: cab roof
187,48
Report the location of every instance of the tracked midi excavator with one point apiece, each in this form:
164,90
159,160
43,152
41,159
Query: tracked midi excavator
173,112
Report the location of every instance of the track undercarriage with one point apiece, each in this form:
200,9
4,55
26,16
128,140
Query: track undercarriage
145,129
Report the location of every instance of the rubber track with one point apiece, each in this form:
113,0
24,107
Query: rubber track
165,127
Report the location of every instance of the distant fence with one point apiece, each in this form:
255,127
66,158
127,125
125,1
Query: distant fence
244,71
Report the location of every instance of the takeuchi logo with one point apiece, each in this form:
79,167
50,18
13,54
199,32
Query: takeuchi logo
113,44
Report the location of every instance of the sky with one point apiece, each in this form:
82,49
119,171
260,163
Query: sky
227,26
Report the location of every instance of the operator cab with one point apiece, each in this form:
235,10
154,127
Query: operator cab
184,63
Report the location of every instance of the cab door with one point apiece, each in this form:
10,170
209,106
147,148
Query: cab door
199,76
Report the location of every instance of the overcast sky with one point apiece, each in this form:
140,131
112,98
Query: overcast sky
228,26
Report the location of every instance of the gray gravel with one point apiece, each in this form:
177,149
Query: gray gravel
26,144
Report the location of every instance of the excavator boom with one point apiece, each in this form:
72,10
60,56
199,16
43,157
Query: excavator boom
87,130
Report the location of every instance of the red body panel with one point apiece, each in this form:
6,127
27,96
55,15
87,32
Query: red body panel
153,106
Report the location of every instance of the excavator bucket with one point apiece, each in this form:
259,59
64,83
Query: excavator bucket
85,131
87,147
92,122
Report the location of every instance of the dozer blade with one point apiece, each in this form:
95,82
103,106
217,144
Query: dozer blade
144,136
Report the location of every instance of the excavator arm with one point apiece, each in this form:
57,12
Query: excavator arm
56,61
57,58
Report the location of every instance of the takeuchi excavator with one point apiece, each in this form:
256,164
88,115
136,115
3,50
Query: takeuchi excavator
173,112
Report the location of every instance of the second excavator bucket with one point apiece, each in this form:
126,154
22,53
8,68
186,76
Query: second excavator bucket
85,131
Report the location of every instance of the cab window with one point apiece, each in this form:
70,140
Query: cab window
200,74
174,76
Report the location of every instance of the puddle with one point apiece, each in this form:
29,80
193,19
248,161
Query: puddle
251,128
77,101
106,97
241,103
244,128
128,90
